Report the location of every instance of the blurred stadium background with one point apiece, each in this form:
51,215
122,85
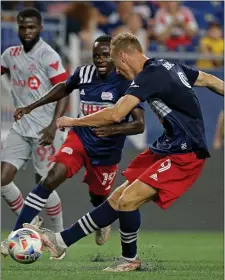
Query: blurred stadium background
196,39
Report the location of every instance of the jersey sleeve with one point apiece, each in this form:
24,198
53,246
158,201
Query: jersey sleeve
192,74
145,85
72,82
4,62
54,68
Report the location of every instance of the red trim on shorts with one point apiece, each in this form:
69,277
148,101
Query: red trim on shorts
59,78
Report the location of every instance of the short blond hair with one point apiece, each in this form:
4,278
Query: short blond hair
125,41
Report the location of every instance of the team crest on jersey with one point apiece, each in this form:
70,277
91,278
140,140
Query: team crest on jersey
107,96
67,150
32,68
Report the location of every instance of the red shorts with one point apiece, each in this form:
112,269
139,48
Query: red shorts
73,155
172,175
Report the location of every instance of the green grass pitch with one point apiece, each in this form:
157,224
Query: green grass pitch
165,256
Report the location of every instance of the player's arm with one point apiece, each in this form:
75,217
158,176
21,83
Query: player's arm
211,82
218,138
5,62
136,126
104,117
56,93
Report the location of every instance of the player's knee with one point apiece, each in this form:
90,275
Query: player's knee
126,203
113,200
55,177
6,178
8,173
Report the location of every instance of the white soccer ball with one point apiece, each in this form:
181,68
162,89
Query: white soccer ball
25,245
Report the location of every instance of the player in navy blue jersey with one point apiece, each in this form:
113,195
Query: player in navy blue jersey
163,172
97,149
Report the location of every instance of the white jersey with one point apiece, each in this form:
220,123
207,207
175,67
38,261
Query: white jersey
32,75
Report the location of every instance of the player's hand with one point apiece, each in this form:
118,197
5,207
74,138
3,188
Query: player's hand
48,135
104,131
20,112
63,122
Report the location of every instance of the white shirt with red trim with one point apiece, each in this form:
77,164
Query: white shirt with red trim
32,75
184,15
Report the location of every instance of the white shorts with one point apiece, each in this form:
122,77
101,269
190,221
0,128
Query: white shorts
17,150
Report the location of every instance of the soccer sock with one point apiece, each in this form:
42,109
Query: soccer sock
100,217
130,222
33,205
13,197
54,211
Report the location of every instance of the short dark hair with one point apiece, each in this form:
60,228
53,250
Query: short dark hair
30,12
103,38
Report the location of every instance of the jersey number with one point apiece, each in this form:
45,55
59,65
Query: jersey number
46,153
108,178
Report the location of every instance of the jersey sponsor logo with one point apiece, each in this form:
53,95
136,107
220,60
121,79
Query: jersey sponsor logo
82,92
184,79
87,109
154,177
55,65
15,51
33,83
107,96
18,83
67,150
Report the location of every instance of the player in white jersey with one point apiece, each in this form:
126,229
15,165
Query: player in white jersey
34,67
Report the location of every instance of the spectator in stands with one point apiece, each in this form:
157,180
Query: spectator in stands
175,25
219,135
134,24
212,43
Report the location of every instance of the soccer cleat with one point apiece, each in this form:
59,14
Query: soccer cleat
124,265
102,235
37,221
4,248
48,239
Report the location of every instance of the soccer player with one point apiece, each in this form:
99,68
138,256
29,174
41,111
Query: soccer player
97,149
163,172
34,67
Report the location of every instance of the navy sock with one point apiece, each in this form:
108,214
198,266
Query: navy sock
33,205
130,222
100,217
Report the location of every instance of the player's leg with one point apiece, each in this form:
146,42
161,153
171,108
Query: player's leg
163,182
16,151
100,180
53,208
66,165
41,157
100,217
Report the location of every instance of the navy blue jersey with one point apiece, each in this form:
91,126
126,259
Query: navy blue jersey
96,94
168,89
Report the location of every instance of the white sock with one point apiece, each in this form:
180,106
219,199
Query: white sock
54,211
60,241
130,259
13,197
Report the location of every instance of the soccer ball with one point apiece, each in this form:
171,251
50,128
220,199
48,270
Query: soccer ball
25,245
